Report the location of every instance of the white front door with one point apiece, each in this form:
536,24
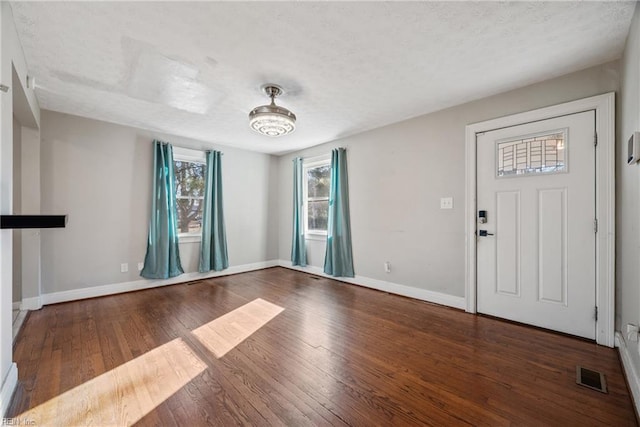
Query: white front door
536,186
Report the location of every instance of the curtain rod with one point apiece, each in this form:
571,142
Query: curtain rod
195,149
184,148
319,157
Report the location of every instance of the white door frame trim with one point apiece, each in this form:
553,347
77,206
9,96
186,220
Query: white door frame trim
604,106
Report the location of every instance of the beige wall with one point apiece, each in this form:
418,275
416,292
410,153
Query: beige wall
398,173
100,175
30,205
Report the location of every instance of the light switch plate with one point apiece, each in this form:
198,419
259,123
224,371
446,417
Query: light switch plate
446,203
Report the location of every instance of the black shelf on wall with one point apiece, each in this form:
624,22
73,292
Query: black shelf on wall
32,221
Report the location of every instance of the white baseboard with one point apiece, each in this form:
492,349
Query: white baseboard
630,369
136,285
16,305
392,288
116,288
34,303
8,388
17,324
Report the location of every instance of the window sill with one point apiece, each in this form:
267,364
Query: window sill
189,238
316,236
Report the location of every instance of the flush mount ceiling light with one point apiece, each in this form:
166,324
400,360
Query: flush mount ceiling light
272,120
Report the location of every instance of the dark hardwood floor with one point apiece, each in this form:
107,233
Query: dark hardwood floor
337,354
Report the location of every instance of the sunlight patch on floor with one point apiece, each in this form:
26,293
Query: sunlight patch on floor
224,333
123,395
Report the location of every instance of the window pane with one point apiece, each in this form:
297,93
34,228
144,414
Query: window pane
189,195
189,215
318,181
318,215
540,154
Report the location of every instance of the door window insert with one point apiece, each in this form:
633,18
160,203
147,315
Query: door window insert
540,154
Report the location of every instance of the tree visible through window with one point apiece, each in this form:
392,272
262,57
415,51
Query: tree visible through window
189,195
317,197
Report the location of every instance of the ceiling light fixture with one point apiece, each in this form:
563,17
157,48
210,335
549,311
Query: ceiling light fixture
272,120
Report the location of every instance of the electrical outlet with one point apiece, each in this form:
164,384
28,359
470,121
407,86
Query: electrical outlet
124,267
140,266
446,203
387,267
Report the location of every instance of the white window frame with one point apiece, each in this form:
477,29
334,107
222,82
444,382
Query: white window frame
312,163
189,155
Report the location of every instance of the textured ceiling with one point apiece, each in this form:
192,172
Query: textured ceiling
195,69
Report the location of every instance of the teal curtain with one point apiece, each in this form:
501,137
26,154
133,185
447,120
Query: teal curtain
163,257
213,247
338,259
298,250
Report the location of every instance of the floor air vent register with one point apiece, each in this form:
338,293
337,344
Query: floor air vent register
591,379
